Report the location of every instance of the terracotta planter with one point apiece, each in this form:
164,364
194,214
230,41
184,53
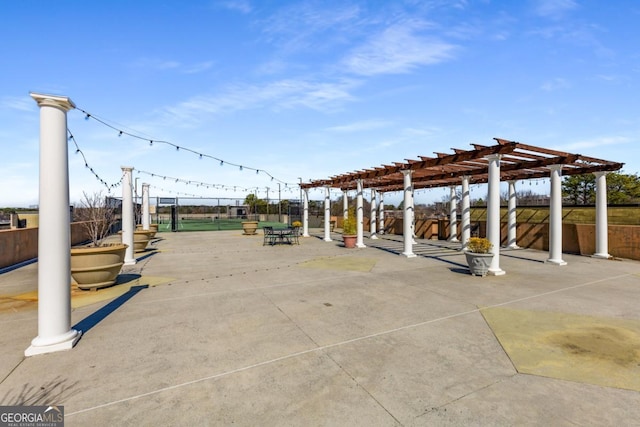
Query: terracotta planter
478,263
97,267
349,241
249,227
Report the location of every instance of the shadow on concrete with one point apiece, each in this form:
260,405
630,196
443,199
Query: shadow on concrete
56,390
146,254
17,266
93,319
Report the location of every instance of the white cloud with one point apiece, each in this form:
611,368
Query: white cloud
360,126
242,6
398,49
278,95
595,142
554,8
302,27
555,84
159,64
19,103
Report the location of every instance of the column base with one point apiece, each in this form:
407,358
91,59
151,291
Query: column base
328,239
409,254
360,245
68,341
601,256
556,262
373,236
498,272
130,261
306,235
454,240
514,246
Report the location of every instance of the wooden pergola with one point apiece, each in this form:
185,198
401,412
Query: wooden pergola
505,161
518,161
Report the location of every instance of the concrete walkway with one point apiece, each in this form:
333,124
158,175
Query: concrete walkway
213,328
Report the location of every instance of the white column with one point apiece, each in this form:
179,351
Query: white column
373,219
602,228
359,216
466,214
127,215
305,213
555,217
345,204
145,206
512,225
413,216
407,216
493,214
327,214
380,213
453,214
54,239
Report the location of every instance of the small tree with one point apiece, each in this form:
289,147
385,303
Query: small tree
96,216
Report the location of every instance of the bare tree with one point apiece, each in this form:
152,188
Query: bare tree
96,216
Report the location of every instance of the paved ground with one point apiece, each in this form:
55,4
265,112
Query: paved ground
212,328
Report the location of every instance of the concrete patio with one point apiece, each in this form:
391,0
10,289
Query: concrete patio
213,328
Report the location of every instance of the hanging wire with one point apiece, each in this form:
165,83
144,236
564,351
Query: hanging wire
108,186
177,147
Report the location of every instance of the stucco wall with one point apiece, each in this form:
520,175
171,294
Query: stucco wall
21,244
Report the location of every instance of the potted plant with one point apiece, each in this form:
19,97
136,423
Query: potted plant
349,231
97,264
249,227
479,255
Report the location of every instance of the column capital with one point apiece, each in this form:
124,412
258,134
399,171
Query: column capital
126,168
61,102
555,167
493,157
144,184
601,173
406,172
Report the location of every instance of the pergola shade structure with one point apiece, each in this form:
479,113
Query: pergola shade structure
505,161
517,162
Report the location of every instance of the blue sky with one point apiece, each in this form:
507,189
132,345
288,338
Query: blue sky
311,89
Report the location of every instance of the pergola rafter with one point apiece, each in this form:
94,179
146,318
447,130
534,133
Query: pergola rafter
518,162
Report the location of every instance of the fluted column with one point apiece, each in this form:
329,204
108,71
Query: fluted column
466,214
493,214
373,219
555,217
602,227
54,239
407,215
327,214
145,206
512,225
359,215
453,214
127,215
305,213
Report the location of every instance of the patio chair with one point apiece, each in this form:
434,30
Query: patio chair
269,236
294,234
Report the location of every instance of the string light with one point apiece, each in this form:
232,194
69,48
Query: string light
86,164
178,148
